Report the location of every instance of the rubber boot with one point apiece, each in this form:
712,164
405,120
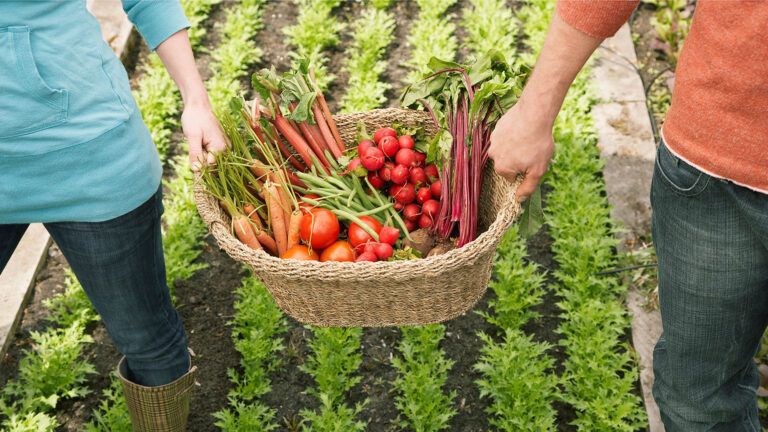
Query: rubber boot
158,409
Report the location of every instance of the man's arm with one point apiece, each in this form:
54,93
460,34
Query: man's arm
522,141
200,125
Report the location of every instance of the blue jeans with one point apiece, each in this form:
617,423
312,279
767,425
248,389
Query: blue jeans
120,265
711,238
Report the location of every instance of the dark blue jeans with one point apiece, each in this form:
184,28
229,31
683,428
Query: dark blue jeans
121,267
711,238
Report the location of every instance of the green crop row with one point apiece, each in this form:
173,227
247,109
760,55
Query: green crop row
257,324
432,35
373,32
316,30
53,369
490,24
423,368
335,358
600,373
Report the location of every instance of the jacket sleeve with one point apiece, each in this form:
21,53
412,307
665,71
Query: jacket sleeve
156,20
597,18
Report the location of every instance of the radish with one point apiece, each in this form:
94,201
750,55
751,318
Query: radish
389,235
431,208
423,195
406,156
410,225
386,171
365,248
403,194
356,167
406,141
420,158
435,189
389,146
381,133
383,250
364,146
425,221
412,212
417,176
431,172
373,159
398,206
399,175
375,180
367,257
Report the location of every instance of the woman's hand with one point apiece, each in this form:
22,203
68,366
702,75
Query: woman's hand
522,143
203,131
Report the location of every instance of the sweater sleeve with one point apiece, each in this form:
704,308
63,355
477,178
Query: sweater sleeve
156,20
597,18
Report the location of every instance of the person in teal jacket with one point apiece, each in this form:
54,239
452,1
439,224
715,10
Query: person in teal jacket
76,156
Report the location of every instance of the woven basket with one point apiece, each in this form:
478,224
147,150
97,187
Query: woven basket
375,294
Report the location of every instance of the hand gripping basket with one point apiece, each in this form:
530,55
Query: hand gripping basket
374,294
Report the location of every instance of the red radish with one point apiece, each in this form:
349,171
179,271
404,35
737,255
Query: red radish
425,221
431,208
420,158
411,225
386,171
389,235
417,176
423,195
373,159
367,257
398,206
381,133
383,250
435,189
363,146
365,247
406,157
358,236
389,146
375,180
431,172
412,212
403,194
356,167
406,141
399,175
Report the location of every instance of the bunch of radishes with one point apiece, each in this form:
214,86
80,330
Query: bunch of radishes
393,164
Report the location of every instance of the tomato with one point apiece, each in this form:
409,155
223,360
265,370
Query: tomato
300,252
389,146
381,133
358,236
338,251
406,141
319,227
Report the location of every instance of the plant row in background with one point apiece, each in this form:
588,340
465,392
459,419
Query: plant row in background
316,30
432,35
600,373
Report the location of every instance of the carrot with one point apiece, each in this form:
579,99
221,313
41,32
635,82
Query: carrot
293,228
294,138
250,210
326,131
295,180
317,147
330,120
289,156
260,170
244,232
267,241
277,217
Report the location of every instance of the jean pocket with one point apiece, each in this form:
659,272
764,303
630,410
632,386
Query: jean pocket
683,178
27,103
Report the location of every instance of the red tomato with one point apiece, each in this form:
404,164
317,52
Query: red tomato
389,146
300,252
319,227
358,236
381,133
338,251
406,141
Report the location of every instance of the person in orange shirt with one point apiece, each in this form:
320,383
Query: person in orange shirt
709,197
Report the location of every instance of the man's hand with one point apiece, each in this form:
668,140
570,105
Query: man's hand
204,134
522,143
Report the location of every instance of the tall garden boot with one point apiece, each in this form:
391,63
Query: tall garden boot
158,409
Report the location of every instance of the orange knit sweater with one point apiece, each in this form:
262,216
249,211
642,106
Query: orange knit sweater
718,120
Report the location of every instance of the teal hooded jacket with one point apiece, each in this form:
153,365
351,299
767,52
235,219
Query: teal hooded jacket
73,146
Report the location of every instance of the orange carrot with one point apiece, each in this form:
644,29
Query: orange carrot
326,131
244,232
317,147
293,228
266,241
277,217
330,120
294,138
253,215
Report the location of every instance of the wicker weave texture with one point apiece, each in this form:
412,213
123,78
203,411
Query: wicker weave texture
366,294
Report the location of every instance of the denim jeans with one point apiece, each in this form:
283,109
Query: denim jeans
120,265
711,238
